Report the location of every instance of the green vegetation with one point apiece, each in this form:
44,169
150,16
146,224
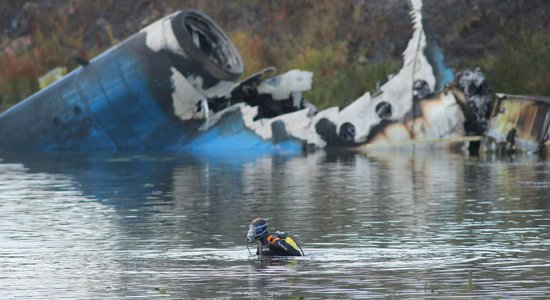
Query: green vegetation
53,41
51,44
521,65
331,46
338,79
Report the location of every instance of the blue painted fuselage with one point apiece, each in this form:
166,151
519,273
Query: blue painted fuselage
122,100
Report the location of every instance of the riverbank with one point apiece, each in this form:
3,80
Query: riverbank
350,46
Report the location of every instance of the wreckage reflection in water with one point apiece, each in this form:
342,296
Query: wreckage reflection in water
142,225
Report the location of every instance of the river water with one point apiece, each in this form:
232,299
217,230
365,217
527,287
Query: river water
173,226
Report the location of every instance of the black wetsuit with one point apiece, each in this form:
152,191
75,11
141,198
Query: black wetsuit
278,244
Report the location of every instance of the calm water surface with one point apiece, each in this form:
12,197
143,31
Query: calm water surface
173,226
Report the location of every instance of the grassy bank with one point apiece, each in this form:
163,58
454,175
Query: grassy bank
52,42
521,65
339,75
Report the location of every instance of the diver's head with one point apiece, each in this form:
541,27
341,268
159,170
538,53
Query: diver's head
256,230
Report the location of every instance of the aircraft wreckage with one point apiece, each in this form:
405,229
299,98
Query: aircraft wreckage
172,87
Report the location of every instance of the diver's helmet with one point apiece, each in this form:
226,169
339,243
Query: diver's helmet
257,229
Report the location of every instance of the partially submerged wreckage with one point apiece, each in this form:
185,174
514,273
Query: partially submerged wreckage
172,87
519,122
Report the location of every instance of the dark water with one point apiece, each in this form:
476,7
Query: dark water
172,226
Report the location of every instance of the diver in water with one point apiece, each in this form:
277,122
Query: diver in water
272,244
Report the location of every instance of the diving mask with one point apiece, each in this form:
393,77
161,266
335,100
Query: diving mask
256,230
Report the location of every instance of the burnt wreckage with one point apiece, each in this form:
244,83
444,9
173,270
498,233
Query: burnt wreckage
519,123
172,87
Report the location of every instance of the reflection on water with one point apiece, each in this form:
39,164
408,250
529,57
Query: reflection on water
394,225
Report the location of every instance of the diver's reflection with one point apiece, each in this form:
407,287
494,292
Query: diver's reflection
267,273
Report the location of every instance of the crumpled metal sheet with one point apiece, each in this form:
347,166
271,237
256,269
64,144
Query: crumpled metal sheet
414,105
477,98
424,103
356,123
518,123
